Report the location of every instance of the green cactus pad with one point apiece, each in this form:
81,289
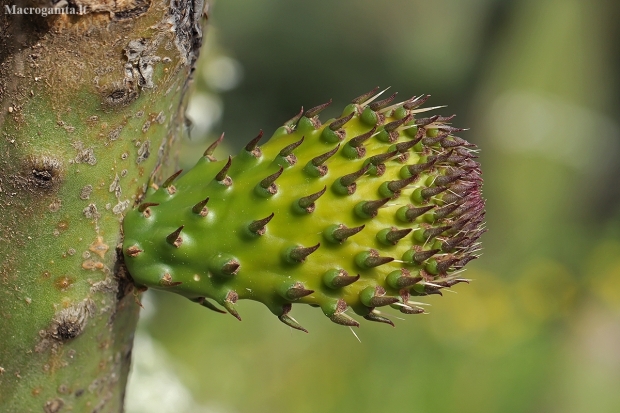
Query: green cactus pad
360,212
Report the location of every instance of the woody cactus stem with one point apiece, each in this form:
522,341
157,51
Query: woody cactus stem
366,211
89,109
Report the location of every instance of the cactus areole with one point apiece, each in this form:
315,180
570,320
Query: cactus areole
366,211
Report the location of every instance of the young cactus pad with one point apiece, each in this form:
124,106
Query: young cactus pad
363,211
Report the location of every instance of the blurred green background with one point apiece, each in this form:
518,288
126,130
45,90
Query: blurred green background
538,330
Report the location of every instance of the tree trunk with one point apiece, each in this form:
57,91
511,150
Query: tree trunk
89,116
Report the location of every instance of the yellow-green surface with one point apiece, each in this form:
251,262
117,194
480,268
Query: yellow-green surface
189,262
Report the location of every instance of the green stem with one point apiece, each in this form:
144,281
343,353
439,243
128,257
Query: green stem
90,109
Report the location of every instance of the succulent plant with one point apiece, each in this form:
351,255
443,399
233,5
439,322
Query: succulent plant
363,211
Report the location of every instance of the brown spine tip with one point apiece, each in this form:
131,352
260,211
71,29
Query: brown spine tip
363,98
404,280
268,181
469,221
171,179
411,310
426,121
381,158
307,203
341,234
299,254
201,207
344,320
456,158
396,186
450,142
310,113
450,283
146,205
452,129
468,242
461,188
413,212
435,231
371,259
258,227
380,104
389,127
297,291
452,243
414,102
472,176
444,265
441,157
463,261
376,261
446,118
468,207
358,140
470,164
431,290
395,235
174,238
349,179
287,150
293,121
432,191
375,297
209,152
339,123
221,175
377,318
288,320
370,209
451,198
339,317
253,144
445,211
405,146
434,140
319,160
344,280
339,278
474,224
422,256
421,167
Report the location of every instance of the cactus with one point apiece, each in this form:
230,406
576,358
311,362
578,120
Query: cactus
90,111
363,211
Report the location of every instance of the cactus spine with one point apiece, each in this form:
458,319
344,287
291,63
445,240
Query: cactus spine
363,211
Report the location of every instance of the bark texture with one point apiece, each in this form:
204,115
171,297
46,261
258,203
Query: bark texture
89,116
